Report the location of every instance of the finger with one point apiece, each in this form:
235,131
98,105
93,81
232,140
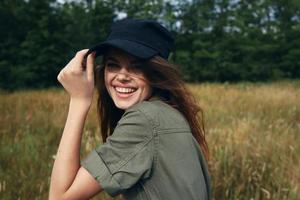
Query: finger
90,66
81,53
79,59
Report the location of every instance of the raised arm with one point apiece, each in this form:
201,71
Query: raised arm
68,179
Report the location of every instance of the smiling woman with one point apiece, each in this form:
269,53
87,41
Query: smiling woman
124,80
153,132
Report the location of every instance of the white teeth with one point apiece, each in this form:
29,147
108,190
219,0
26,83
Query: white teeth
125,90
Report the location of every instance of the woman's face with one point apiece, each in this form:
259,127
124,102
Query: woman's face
124,80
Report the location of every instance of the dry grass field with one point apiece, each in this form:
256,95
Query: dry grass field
253,131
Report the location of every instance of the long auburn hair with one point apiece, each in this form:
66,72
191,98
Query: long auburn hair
166,82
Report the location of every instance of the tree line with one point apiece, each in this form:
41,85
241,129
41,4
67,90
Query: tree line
216,40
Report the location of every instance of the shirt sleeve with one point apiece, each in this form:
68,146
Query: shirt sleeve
125,157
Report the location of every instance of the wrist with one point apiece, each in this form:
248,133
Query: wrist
83,104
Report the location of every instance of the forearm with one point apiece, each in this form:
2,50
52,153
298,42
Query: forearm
67,161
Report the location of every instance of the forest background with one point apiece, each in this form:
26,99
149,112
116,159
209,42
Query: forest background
244,53
216,40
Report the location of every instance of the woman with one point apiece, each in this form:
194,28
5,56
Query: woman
154,145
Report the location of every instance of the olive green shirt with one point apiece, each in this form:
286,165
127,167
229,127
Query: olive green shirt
152,154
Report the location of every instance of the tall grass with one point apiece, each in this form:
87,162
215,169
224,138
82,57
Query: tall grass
253,131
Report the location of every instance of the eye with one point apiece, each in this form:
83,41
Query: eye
112,66
137,69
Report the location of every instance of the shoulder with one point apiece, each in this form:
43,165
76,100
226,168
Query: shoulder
144,112
140,118
158,113
150,108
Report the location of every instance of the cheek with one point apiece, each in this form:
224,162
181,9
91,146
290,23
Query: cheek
147,90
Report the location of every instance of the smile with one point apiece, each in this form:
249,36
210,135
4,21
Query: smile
125,90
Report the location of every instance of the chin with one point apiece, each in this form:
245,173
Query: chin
124,101
124,104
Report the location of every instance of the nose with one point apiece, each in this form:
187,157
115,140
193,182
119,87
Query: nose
123,75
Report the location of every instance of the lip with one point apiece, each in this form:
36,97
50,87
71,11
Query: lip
124,95
124,86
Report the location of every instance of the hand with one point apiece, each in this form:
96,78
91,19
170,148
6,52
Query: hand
78,81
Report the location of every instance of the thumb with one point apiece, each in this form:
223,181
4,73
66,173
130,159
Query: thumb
90,66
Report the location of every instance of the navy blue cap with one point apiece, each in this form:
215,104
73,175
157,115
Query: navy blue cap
140,38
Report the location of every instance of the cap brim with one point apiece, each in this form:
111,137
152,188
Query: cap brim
130,47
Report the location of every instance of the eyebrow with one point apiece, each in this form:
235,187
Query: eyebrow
134,62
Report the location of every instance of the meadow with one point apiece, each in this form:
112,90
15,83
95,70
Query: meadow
253,132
